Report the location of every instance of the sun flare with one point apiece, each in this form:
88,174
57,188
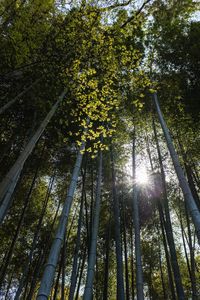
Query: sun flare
141,175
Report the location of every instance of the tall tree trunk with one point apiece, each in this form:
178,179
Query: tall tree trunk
56,287
170,277
50,267
44,251
11,102
62,266
87,222
192,185
168,225
189,174
191,205
93,247
38,228
92,199
162,275
8,185
132,264
118,246
192,261
42,256
125,251
81,273
63,269
29,294
161,213
16,234
106,263
77,247
136,221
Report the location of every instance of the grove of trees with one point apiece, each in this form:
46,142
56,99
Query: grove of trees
92,92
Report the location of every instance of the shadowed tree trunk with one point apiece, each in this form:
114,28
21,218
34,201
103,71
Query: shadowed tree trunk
136,222
81,273
92,254
56,288
189,174
125,249
106,262
38,228
162,275
48,276
118,246
132,263
167,224
191,204
171,283
16,234
190,261
78,242
43,254
9,183
63,268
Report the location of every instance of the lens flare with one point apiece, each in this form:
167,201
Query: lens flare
142,176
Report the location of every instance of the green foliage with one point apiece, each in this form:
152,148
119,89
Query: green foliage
110,71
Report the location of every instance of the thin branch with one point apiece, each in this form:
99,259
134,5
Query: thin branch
116,5
136,14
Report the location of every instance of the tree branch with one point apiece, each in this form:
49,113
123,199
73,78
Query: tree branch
136,14
116,5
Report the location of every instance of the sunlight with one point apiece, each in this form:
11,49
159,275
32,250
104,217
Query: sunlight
141,175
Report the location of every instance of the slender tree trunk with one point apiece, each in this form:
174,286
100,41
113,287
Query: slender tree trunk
106,263
191,205
77,247
87,223
11,102
192,185
184,246
63,269
170,277
97,295
92,199
125,251
38,228
162,275
50,267
93,248
118,247
161,213
150,274
8,185
28,294
42,257
132,264
192,262
168,225
10,252
196,176
81,273
189,173
56,288
139,272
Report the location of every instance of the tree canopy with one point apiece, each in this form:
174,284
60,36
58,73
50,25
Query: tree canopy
99,143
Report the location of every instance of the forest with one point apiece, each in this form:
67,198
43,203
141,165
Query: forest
100,149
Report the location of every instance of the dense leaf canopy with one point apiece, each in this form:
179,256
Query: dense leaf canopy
106,60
